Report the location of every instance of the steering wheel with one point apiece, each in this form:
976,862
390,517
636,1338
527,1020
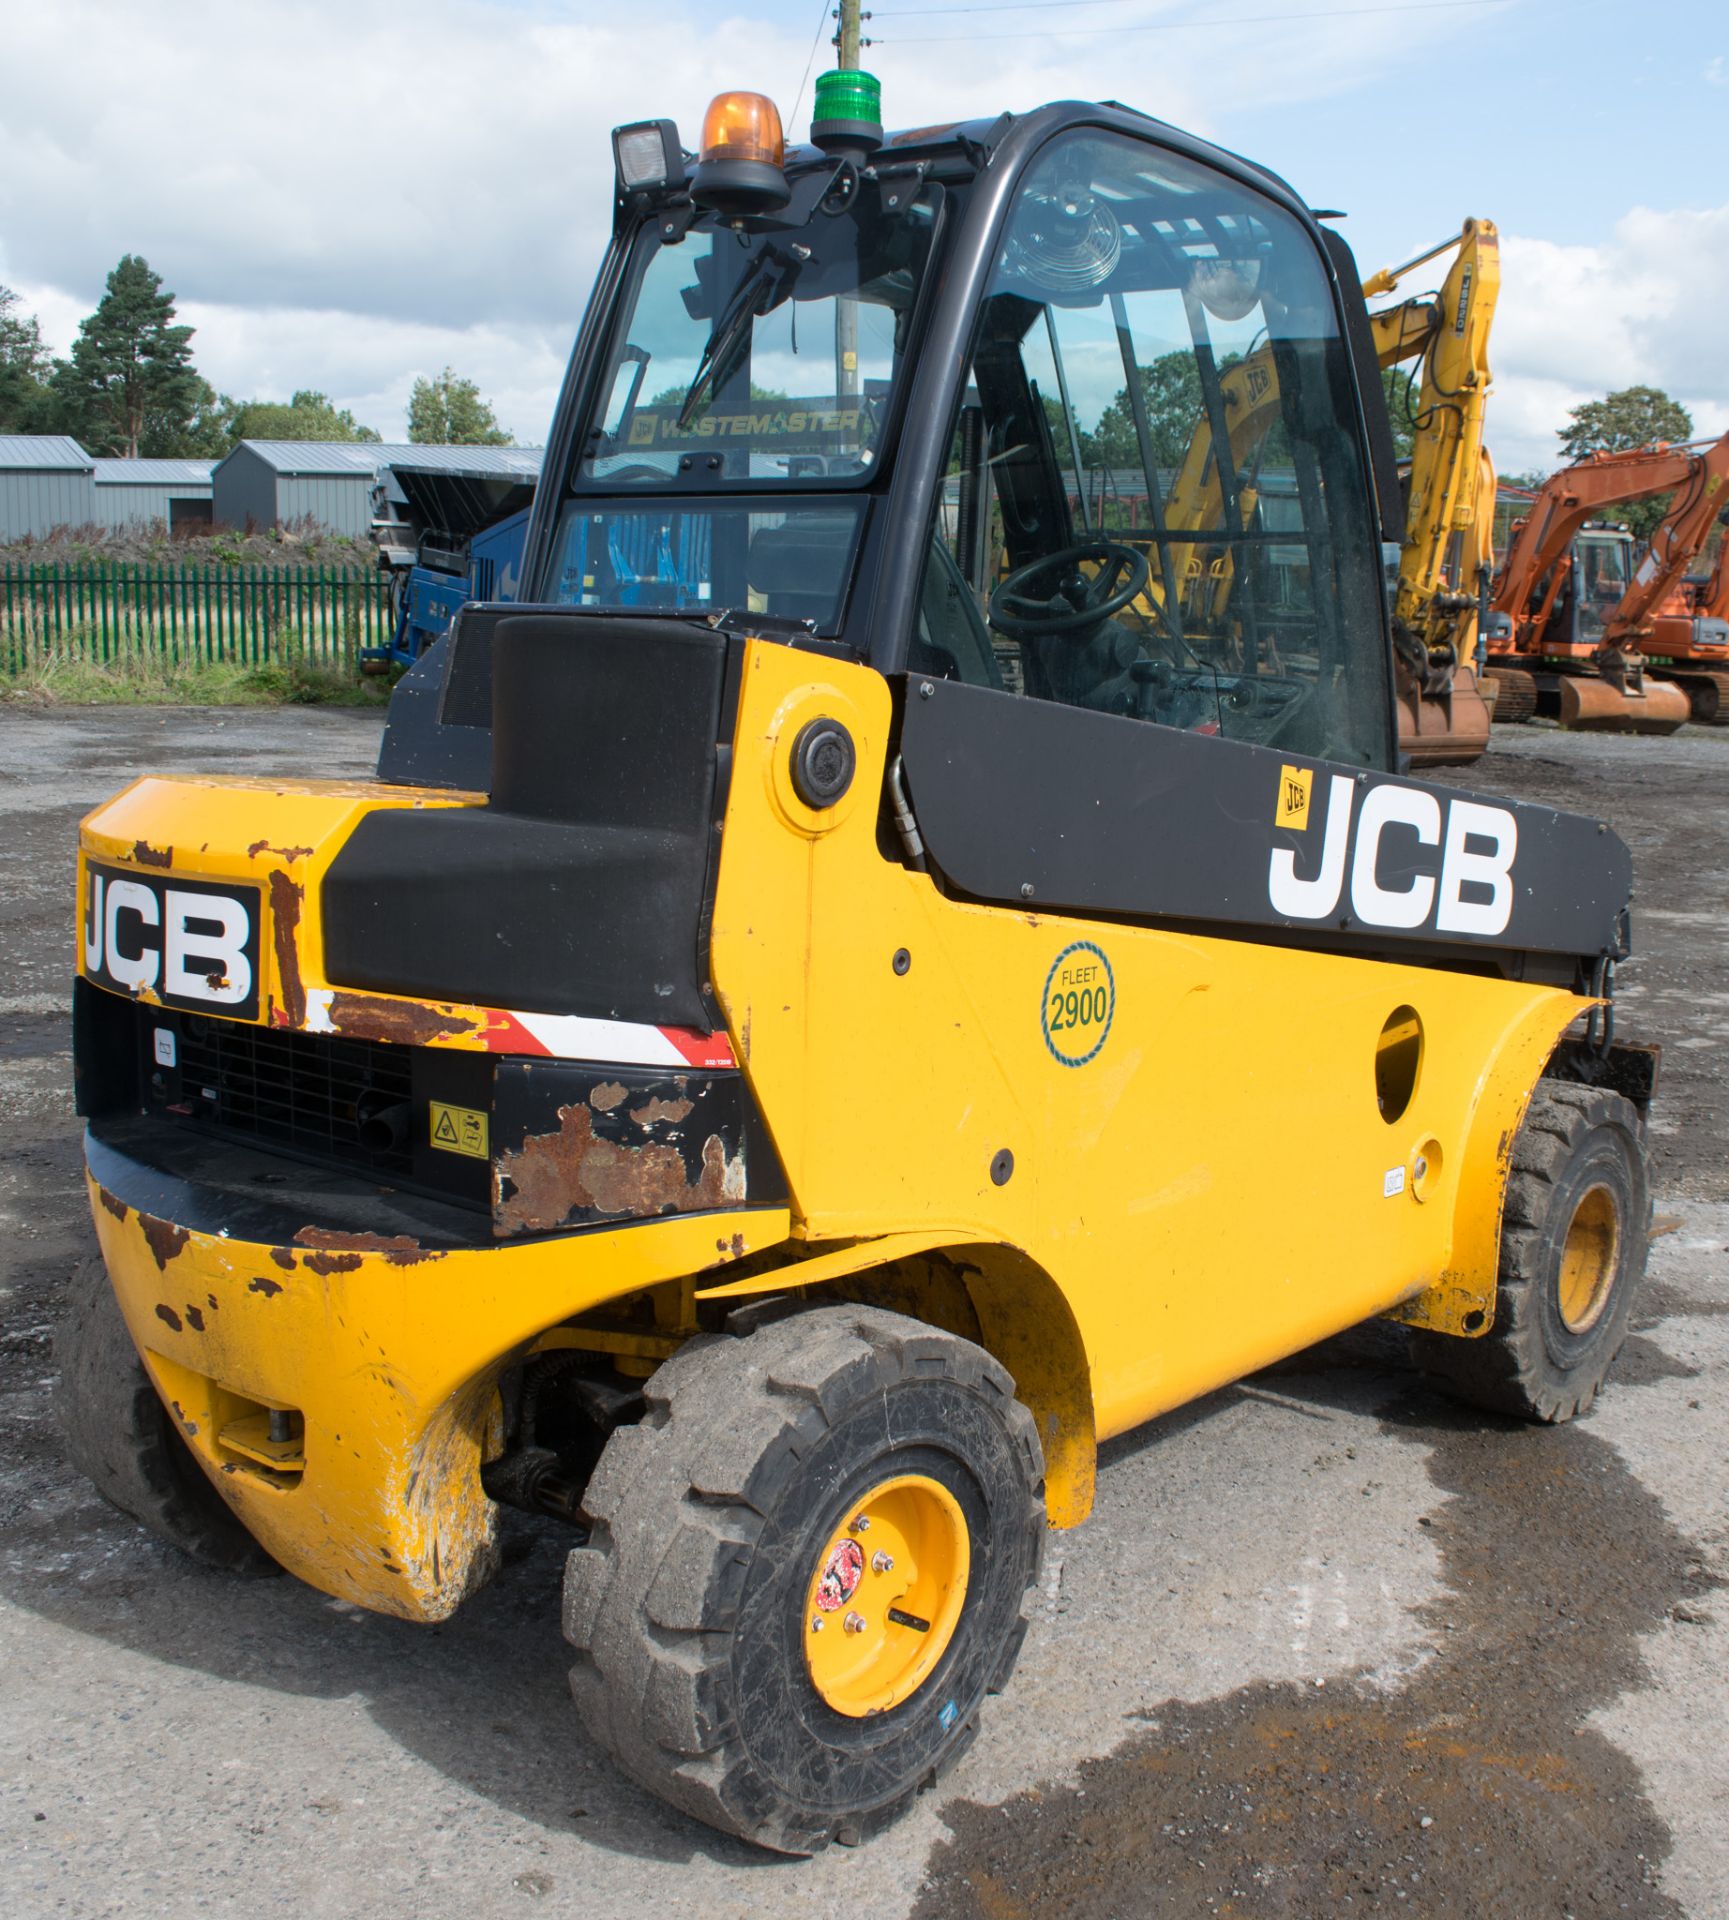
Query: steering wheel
1053,595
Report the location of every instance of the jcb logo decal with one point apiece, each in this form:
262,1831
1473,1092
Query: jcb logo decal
1470,891
1295,786
191,944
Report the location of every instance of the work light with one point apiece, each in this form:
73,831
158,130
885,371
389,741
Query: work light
646,154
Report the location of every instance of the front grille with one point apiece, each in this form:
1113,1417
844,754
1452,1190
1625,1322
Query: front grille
308,1092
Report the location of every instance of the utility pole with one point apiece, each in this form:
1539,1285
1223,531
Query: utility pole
846,369
847,39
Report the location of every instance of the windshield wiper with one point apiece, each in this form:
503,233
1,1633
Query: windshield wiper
765,285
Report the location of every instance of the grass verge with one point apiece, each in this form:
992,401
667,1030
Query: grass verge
139,673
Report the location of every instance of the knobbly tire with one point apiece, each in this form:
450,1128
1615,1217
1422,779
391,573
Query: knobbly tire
1573,1239
691,1606
121,1437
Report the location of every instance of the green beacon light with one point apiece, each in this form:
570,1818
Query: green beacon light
848,115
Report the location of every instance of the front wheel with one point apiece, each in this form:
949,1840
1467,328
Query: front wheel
807,1568
1573,1238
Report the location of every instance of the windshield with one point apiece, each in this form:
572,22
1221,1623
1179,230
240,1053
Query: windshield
767,358
762,363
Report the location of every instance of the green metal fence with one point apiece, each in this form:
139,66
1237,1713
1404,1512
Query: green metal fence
227,614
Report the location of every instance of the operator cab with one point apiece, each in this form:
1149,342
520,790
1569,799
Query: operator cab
1086,432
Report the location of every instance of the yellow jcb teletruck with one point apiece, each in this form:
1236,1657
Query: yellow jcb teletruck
842,999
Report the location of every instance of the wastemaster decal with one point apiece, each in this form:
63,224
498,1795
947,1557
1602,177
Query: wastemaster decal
191,944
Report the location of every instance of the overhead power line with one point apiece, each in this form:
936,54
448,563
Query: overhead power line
1155,26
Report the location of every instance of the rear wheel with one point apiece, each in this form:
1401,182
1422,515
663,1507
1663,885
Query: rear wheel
807,1569
1573,1241
119,1434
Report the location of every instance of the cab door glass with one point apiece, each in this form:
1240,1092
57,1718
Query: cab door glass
1154,498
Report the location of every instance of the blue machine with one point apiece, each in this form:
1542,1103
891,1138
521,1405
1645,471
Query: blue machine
446,536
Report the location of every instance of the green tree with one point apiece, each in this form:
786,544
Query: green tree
449,411
1171,392
25,402
1399,384
1060,435
1633,417
129,386
307,416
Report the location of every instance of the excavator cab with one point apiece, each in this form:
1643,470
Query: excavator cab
828,1009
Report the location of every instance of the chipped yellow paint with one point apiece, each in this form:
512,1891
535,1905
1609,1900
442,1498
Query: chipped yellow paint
391,1359
1210,1188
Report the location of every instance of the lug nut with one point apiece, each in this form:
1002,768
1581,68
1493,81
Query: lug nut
882,1562
861,1524
816,1623
855,1623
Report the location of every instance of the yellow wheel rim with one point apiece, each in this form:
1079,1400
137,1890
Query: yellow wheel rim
1588,1260
886,1594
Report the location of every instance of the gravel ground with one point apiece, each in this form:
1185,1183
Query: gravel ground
1325,1647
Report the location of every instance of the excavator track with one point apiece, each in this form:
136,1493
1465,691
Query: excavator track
1515,695
1707,697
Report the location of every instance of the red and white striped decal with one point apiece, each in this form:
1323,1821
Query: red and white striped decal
624,1043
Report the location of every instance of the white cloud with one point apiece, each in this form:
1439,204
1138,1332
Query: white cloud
323,187
1644,308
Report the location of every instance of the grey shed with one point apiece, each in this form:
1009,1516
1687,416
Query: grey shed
133,493
273,482
46,481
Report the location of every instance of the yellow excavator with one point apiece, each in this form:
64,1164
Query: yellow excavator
1446,558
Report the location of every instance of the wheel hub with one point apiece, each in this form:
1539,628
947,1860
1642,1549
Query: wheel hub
1588,1258
879,1620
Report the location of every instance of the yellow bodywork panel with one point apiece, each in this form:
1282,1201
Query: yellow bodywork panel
281,837
1140,1163
1210,1187
386,1357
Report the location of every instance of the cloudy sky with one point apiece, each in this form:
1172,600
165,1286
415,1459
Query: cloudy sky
345,196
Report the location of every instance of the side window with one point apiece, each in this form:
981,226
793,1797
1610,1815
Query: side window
1153,495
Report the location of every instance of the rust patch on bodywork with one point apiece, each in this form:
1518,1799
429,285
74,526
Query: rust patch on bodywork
264,1286
332,1263
400,1249
410,1023
163,1237
284,1257
573,1170
110,1204
195,1319
285,898
658,1109
145,855
169,1317
606,1096
282,853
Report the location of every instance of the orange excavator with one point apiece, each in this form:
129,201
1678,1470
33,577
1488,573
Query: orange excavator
1689,640
1572,634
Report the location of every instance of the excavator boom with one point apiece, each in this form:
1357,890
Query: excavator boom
1447,558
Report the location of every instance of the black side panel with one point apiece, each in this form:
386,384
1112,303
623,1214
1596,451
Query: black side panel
1046,807
1389,495
416,750
581,888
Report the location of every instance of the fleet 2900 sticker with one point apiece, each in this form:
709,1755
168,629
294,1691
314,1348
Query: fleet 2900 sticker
1080,1001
